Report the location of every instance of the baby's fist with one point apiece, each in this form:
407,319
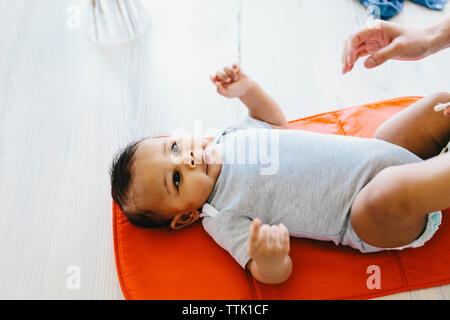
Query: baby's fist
268,243
231,82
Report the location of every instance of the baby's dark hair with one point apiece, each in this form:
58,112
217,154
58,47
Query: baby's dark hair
121,178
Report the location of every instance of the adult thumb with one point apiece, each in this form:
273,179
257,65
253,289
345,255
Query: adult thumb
381,56
447,112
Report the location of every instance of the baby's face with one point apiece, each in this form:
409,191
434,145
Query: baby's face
173,175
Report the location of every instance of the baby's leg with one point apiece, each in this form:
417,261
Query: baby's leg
419,128
391,210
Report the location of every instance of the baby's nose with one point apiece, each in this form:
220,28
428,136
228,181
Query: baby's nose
188,159
191,159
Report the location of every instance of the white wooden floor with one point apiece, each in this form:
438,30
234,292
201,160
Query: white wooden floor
67,105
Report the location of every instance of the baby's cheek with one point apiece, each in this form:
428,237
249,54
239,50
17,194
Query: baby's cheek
202,189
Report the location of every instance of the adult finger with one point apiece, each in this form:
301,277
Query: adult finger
360,52
348,56
361,36
344,56
350,46
447,112
381,56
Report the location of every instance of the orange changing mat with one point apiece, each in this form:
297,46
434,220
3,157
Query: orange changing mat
188,264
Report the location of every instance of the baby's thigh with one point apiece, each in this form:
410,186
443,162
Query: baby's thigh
418,128
378,214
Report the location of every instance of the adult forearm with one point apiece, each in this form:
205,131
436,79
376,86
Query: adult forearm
440,35
263,107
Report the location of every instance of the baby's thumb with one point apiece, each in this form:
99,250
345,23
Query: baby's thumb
220,88
381,56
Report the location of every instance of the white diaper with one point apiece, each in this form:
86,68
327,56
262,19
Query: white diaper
351,239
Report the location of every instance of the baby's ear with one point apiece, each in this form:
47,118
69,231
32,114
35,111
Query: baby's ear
182,220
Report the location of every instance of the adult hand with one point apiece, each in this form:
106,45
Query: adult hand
384,41
446,110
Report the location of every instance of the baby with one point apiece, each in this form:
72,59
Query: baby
374,194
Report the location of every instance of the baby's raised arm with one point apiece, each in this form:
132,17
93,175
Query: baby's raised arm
234,83
268,248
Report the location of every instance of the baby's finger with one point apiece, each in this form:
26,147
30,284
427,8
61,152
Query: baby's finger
254,231
275,236
213,78
231,73
221,75
238,69
264,234
220,88
284,237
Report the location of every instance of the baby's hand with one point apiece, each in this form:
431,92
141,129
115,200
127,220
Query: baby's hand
268,244
231,82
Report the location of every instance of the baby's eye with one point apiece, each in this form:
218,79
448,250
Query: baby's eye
176,179
174,148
